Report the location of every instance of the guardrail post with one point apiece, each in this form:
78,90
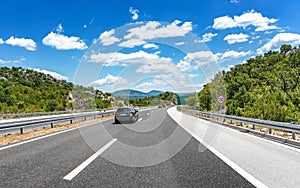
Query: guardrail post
51,125
241,124
294,135
21,130
253,127
270,130
71,121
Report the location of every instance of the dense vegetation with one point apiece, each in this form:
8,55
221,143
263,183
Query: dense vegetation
163,98
266,87
25,90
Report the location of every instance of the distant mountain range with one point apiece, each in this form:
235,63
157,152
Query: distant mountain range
134,94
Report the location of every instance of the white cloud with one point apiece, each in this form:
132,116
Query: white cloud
61,42
278,40
229,55
184,65
188,26
134,13
234,38
247,19
1,41
12,61
157,68
121,59
53,74
151,30
228,68
59,28
234,1
193,75
28,44
224,22
179,43
107,38
155,84
207,37
200,58
109,80
150,45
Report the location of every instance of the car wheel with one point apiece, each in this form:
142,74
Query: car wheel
116,121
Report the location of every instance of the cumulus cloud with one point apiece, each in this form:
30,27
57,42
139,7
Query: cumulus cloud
12,61
200,58
234,1
122,59
188,26
53,74
134,13
62,42
249,18
224,22
179,43
184,65
152,30
193,75
59,28
207,37
28,44
109,80
1,41
155,84
231,54
234,38
107,38
150,45
278,40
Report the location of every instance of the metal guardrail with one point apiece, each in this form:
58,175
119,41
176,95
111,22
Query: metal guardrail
21,124
7,116
289,127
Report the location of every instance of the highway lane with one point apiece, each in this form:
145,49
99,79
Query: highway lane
45,162
274,164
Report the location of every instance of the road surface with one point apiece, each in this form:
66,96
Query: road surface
153,152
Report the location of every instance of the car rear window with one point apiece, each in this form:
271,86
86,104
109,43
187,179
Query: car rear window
123,110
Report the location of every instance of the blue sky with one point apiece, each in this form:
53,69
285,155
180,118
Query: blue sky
142,44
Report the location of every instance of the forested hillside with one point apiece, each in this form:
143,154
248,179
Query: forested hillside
25,90
266,87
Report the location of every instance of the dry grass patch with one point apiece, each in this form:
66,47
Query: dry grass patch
12,138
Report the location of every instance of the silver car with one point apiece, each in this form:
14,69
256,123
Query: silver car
126,115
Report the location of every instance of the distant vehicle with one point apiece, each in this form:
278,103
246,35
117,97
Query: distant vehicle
160,106
126,115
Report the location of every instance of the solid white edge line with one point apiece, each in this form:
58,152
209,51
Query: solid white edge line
230,163
48,135
83,165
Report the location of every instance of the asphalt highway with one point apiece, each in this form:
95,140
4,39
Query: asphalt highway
153,152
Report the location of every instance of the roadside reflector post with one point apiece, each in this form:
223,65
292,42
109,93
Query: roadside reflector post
51,125
253,127
71,121
270,130
21,130
294,135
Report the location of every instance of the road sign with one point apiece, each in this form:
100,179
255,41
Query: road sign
221,99
80,102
